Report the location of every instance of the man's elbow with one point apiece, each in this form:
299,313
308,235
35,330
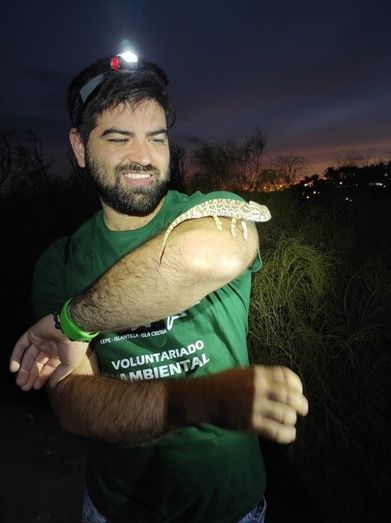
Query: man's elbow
222,255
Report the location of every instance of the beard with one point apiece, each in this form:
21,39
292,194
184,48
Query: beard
132,201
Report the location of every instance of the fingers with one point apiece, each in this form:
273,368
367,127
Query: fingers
278,400
283,395
34,360
275,431
46,371
26,365
283,375
18,351
34,367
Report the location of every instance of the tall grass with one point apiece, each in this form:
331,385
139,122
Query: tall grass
288,303
321,305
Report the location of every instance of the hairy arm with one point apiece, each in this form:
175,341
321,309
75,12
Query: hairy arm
264,399
139,289
94,406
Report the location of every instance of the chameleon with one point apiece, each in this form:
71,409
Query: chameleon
234,209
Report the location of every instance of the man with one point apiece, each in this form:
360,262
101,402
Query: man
171,405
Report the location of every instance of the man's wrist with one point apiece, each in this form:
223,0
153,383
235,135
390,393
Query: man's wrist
224,399
74,332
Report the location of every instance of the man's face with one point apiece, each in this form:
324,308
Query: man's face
127,157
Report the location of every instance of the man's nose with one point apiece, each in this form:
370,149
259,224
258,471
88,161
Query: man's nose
140,153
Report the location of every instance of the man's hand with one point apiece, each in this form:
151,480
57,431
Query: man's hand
278,399
264,399
44,354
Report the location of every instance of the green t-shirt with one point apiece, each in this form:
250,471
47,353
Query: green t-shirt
200,473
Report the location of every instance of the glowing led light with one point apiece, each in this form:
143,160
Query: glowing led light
114,63
129,56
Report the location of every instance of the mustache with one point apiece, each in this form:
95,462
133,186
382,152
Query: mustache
137,168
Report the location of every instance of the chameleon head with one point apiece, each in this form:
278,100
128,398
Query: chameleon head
258,212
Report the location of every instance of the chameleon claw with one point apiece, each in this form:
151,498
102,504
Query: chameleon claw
218,223
233,227
244,229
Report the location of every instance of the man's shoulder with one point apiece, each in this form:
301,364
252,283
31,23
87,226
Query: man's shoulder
61,248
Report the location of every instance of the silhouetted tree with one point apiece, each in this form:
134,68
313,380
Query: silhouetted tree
288,168
231,164
6,159
353,159
178,167
22,161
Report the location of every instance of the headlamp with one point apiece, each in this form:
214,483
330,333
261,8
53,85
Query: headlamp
123,61
126,62
129,57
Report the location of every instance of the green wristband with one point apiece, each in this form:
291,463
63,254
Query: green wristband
71,329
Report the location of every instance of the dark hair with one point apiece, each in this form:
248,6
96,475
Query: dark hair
142,81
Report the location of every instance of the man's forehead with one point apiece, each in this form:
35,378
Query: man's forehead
146,112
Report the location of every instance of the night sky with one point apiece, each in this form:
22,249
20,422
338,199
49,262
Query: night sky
313,75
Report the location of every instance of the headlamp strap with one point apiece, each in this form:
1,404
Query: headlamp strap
90,86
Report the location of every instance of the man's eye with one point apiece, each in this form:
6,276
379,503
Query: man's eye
118,140
158,140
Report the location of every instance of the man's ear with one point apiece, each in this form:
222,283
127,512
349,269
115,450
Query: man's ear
77,146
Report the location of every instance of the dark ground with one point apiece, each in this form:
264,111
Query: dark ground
41,466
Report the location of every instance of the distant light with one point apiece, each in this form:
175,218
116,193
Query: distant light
129,56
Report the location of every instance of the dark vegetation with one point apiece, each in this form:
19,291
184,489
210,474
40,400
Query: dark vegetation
321,305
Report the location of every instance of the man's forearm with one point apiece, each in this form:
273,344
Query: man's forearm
110,409
139,289
264,399
134,413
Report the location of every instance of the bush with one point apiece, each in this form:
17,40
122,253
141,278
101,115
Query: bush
321,306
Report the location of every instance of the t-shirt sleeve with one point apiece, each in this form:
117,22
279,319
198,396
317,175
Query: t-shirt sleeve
49,289
199,197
